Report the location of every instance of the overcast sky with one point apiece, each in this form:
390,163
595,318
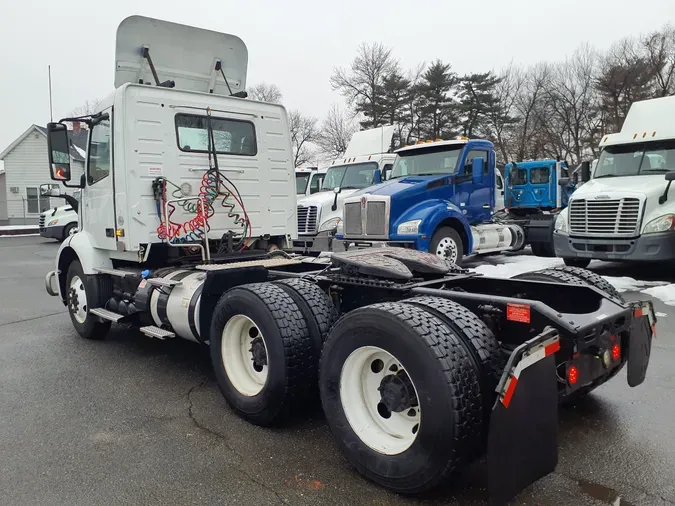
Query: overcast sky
296,44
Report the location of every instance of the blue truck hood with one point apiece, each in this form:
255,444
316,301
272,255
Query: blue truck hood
411,185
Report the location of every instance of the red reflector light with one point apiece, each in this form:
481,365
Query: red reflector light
518,313
573,375
616,352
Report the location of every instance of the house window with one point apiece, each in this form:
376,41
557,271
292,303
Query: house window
36,203
231,136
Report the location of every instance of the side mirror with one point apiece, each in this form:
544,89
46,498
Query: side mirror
477,170
385,174
585,171
670,176
46,190
337,190
563,181
59,151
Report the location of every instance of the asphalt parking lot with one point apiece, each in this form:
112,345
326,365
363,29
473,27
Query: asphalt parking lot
131,420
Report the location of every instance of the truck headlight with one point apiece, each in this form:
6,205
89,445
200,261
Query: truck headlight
330,225
52,223
561,224
661,224
409,227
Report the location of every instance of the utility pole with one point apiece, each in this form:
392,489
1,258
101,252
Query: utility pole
49,72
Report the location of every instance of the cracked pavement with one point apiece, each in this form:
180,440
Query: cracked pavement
131,420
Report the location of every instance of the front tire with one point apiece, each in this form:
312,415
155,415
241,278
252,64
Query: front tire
447,243
582,263
401,396
69,230
83,293
262,354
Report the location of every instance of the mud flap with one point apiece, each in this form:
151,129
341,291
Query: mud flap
643,329
523,437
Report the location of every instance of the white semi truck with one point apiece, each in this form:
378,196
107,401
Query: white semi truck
308,180
626,211
365,162
59,222
187,197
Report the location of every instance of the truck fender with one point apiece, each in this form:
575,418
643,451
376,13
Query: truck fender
433,214
79,247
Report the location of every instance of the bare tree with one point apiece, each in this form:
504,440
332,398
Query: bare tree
660,53
503,117
362,85
265,93
303,131
88,107
527,104
336,131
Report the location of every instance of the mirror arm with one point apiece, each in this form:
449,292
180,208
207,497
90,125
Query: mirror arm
663,198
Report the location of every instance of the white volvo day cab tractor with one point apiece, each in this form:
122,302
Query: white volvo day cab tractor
188,200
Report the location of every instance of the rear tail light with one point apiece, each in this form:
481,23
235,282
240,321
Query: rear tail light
616,352
572,375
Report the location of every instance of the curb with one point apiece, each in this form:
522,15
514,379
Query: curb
20,231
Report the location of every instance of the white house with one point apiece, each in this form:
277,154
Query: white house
27,167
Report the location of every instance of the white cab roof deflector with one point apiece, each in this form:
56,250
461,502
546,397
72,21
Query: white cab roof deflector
370,142
180,53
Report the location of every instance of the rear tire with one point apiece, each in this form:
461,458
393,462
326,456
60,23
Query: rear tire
447,243
432,365
582,263
479,343
316,306
262,354
84,292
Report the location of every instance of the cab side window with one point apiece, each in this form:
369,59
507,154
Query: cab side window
315,185
468,165
100,151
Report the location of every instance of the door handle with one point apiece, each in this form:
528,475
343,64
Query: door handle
502,192
486,206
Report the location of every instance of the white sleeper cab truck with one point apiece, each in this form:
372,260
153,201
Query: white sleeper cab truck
627,209
308,180
365,162
189,190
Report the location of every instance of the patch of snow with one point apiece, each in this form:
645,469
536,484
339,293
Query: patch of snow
10,236
509,266
626,284
661,315
664,292
18,227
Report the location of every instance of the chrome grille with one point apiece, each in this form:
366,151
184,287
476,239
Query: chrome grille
375,218
610,217
307,219
352,223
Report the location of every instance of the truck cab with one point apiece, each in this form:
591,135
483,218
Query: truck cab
626,212
440,198
308,180
179,163
534,185
365,162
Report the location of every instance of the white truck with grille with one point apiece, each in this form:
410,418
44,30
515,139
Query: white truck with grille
626,211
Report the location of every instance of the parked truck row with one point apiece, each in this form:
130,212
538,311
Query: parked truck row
186,229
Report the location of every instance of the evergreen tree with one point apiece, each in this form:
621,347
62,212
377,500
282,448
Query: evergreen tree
437,106
478,100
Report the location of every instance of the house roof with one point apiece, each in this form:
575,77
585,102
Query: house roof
78,142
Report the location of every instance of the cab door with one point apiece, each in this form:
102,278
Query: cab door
98,204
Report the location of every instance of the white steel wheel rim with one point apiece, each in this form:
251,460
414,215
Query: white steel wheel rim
72,231
236,344
447,248
77,288
359,395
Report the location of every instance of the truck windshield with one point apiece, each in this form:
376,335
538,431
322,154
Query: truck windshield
301,180
356,176
431,161
636,159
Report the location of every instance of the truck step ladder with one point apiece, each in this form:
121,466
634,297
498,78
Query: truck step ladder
153,331
114,272
106,315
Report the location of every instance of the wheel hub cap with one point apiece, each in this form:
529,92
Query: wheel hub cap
397,393
447,248
77,299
